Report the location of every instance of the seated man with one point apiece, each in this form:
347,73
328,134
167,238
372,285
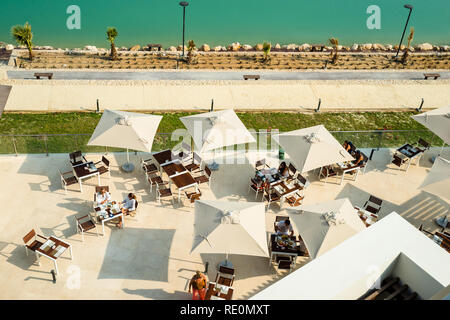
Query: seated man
359,158
284,228
103,197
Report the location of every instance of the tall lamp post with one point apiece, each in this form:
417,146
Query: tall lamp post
184,4
410,7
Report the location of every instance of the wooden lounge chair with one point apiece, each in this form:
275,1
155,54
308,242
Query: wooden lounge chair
33,245
67,179
155,179
422,145
184,153
292,172
295,200
85,223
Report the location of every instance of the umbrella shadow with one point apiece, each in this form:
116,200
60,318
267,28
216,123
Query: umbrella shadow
232,180
139,254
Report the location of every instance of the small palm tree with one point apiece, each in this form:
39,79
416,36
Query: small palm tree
111,35
24,37
334,42
267,46
190,49
406,52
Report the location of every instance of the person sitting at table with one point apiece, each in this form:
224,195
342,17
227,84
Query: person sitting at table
103,197
283,170
129,204
198,284
359,158
346,146
284,228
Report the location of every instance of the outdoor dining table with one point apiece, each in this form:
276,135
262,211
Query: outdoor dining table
410,152
165,157
218,292
347,167
107,212
84,171
275,249
52,249
183,181
285,190
174,168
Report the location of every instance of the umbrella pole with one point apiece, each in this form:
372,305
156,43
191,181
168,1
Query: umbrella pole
128,166
225,263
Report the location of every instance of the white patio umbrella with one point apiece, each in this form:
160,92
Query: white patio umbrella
325,225
438,121
127,130
231,228
437,181
217,129
312,148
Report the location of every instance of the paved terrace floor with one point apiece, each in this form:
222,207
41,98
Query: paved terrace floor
150,258
228,75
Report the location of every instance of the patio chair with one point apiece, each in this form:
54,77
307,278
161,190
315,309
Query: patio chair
363,164
302,181
33,245
292,172
373,205
85,223
205,178
284,263
195,164
155,179
225,276
148,167
257,186
105,167
67,179
270,196
193,196
261,164
77,158
326,172
162,192
295,200
399,162
422,143
184,153
97,190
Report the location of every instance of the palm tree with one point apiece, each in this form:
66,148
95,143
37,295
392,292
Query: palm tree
190,49
24,36
334,42
410,38
112,34
267,46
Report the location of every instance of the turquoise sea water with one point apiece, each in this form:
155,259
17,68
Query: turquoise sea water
218,22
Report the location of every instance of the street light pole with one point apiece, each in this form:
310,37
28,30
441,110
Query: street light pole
410,7
184,4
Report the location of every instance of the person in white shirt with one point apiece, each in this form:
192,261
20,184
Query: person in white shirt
128,207
103,197
284,228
